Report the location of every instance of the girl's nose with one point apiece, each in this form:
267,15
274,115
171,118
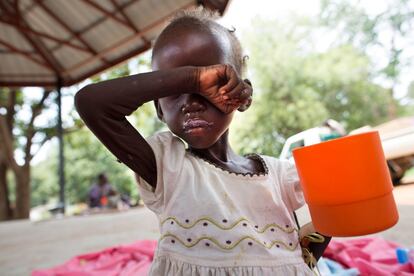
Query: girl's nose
193,103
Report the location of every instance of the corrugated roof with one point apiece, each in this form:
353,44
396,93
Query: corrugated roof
41,40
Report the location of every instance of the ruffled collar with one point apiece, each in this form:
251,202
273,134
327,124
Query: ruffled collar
254,156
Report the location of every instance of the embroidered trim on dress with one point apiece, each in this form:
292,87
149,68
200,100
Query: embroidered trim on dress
286,229
290,247
249,156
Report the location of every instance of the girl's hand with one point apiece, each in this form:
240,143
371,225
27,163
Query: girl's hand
313,244
221,85
306,230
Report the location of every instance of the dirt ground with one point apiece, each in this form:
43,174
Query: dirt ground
26,245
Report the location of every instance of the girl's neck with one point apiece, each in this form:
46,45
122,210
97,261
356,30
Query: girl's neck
219,152
221,155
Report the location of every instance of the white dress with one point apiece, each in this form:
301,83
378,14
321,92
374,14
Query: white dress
214,222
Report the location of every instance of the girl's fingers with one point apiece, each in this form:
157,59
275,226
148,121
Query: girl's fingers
228,108
241,92
245,105
248,101
235,92
232,80
246,93
248,87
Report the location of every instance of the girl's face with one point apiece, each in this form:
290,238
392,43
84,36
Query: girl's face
190,116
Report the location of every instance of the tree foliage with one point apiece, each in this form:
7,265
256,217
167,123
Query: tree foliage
298,87
85,158
21,136
384,34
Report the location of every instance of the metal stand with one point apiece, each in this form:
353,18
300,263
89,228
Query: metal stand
61,169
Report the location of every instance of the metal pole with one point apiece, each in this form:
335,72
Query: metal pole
61,156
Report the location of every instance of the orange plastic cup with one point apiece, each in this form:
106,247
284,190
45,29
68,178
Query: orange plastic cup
347,185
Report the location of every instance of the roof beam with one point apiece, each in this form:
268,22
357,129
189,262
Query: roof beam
112,63
41,34
27,75
29,7
102,53
43,52
16,7
65,26
127,19
98,21
50,60
23,53
92,25
109,14
5,7
127,39
50,84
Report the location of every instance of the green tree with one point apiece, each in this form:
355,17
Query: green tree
20,139
298,87
408,107
85,158
342,77
283,103
385,33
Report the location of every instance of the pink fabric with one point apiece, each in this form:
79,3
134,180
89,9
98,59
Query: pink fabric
372,256
133,259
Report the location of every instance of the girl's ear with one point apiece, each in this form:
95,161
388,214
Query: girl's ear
248,101
160,115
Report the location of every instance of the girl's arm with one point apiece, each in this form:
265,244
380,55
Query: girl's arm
103,107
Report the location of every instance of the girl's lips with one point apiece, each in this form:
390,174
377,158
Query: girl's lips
196,123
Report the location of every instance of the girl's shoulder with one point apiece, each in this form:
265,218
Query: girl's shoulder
163,137
169,150
285,176
276,164
281,170
165,140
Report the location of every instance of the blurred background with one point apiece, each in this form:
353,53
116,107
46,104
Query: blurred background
309,62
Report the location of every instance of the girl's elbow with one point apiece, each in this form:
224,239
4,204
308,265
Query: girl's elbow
84,99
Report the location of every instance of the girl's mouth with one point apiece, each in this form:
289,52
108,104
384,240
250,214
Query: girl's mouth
193,124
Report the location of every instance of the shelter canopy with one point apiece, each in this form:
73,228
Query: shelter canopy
43,41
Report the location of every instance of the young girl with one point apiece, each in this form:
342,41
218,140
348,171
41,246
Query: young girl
219,213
